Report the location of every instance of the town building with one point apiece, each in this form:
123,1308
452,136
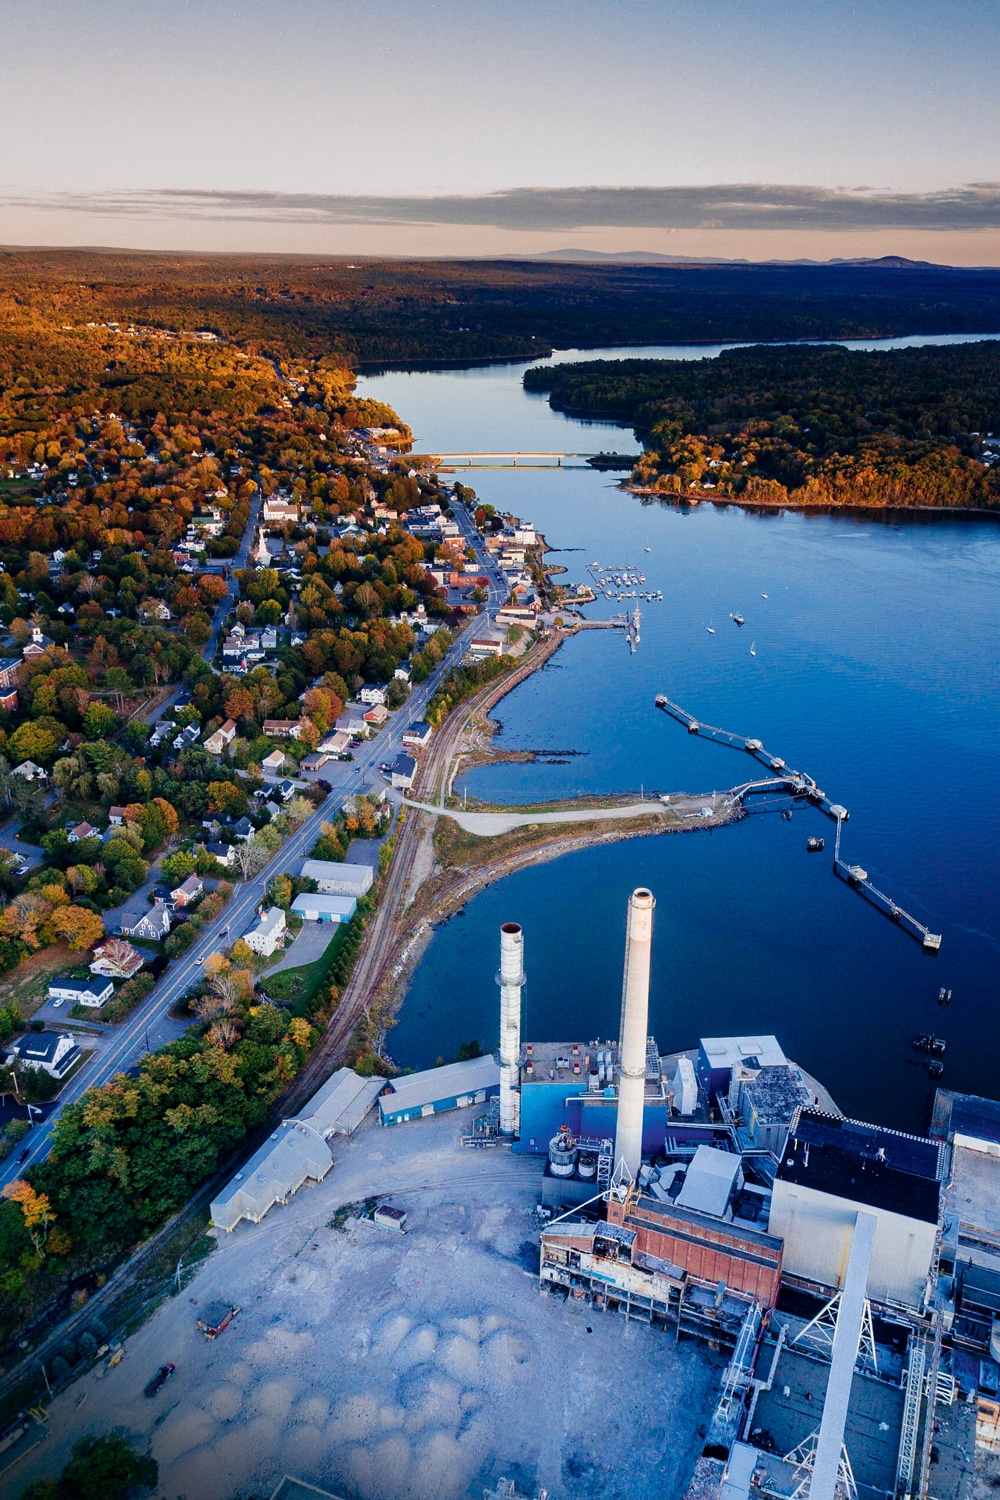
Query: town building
52,1052
267,936
402,771
417,735
91,992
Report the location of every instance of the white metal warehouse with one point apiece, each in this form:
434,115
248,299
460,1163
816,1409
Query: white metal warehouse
296,1150
333,879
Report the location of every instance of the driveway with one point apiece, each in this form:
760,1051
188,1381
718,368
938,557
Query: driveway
33,853
311,943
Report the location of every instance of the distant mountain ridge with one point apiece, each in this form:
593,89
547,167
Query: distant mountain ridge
654,258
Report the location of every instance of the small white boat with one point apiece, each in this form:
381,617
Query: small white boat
648,549
753,648
763,596
710,629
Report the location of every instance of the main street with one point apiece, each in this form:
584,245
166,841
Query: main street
139,1032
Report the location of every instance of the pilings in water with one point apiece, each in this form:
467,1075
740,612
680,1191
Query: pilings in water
799,784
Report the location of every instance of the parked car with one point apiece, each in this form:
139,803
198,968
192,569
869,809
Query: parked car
56,1003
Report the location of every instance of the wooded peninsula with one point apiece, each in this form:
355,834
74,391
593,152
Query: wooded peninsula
815,426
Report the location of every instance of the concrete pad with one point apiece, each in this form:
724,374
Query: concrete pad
309,945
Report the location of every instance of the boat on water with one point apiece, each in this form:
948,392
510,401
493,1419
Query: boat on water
814,845
737,619
763,596
753,648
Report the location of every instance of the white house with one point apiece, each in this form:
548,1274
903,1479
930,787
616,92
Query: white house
116,959
29,771
55,1054
373,693
267,935
81,831
223,736
93,992
418,734
152,925
402,772
274,763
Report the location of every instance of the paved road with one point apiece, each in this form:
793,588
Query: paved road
150,1025
489,825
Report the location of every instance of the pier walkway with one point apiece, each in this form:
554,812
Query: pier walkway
799,785
490,824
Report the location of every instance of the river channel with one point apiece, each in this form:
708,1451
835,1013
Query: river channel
875,671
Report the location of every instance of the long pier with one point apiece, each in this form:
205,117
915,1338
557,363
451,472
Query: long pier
518,460
800,785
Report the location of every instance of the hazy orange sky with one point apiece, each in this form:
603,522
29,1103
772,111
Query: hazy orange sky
785,129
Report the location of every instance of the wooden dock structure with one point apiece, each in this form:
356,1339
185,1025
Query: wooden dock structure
799,785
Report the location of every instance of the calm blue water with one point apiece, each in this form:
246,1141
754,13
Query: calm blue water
876,672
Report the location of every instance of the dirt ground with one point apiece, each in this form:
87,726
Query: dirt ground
27,986
398,1367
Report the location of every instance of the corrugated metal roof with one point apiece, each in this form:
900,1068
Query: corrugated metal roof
343,907
342,1102
415,1090
709,1181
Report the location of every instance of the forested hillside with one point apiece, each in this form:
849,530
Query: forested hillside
806,426
385,312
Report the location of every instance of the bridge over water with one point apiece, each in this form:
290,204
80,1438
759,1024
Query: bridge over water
522,459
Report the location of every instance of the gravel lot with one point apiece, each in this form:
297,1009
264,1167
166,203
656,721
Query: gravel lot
388,1367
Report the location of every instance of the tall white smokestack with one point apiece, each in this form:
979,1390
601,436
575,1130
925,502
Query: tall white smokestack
510,980
635,1024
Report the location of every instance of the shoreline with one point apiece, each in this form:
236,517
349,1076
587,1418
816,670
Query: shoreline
701,497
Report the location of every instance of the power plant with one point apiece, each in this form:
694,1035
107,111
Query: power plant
719,1192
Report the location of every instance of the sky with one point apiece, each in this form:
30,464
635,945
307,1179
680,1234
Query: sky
757,129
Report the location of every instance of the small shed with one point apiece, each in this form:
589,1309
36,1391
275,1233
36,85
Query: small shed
216,1318
456,1086
391,1218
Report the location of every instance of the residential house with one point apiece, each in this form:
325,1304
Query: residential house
372,693
55,1054
243,829
155,609
269,638
286,789
152,925
402,772
93,992
223,736
268,933
286,729
402,674
418,734
118,962
377,716
189,890
222,852
274,763
30,771
116,816
82,831
38,644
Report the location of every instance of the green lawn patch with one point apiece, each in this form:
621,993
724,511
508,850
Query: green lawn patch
298,987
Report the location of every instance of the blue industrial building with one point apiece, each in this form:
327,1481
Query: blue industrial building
456,1086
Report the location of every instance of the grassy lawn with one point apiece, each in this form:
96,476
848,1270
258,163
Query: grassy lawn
299,986
27,986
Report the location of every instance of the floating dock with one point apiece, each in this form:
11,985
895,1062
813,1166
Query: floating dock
799,785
